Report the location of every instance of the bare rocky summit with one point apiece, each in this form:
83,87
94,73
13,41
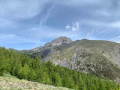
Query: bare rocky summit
59,41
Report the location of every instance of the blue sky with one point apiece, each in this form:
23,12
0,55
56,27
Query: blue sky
26,24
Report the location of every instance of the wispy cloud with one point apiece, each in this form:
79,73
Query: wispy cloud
20,8
46,16
39,21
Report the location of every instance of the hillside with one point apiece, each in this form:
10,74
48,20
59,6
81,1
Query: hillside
24,67
8,82
90,56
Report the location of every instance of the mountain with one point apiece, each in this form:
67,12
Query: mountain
35,70
90,56
59,41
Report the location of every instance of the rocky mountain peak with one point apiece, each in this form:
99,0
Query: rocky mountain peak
62,39
59,41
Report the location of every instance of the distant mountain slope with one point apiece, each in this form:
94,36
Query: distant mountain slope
58,42
8,82
90,56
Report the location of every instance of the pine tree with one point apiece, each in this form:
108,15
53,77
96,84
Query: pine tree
24,72
58,81
102,86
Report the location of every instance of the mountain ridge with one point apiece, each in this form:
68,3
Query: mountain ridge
98,57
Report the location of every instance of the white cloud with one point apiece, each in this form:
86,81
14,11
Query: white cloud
68,27
74,27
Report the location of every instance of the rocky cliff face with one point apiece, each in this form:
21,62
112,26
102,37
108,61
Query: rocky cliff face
89,56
